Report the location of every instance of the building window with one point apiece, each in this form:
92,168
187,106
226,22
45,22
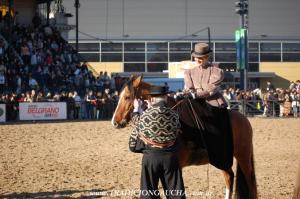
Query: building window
253,67
157,67
134,67
291,47
225,57
89,57
134,46
270,47
225,47
134,57
253,47
157,57
111,57
111,47
177,57
155,46
180,47
253,57
291,57
86,47
276,57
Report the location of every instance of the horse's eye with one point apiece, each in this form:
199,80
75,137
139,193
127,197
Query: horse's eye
127,98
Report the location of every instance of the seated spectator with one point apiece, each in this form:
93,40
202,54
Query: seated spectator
33,83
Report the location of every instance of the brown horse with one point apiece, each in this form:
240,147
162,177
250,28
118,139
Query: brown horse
242,141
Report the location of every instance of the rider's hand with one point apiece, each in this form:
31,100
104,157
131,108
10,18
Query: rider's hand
137,104
188,95
202,93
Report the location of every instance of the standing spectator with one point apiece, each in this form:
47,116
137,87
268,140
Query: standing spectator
70,106
107,106
77,101
287,105
280,101
40,97
90,100
118,82
115,100
270,86
99,106
28,97
295,102
228,97
166,86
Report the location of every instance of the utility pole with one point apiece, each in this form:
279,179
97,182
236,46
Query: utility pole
242,42
77,5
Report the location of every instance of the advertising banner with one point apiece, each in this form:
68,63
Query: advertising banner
43,111
2,113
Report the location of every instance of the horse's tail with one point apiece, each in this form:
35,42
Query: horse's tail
244,189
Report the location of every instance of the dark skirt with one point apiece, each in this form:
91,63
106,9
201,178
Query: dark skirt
214,132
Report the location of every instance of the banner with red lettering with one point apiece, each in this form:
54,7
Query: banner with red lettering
43,111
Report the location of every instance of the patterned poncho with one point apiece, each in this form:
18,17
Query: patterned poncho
158,126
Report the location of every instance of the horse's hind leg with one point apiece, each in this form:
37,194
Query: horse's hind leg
229,180
243,152
246,176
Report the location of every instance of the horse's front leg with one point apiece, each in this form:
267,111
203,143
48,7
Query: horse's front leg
229,180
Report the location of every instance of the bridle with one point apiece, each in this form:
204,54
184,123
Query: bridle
135,92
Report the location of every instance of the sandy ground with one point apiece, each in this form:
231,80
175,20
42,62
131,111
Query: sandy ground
90,159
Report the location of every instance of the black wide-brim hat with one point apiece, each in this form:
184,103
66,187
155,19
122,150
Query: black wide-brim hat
201,49
158,90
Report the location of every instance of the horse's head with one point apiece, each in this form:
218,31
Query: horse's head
134,88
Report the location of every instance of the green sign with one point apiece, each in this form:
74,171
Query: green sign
241,42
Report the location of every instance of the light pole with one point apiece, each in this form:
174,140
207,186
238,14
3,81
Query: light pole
77,5
242,42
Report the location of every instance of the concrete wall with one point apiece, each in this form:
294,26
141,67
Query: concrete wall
285,72
172,18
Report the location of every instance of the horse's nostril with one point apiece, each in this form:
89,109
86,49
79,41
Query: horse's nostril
115,124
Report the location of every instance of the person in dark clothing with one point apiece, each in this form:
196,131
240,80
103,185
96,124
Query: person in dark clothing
154,134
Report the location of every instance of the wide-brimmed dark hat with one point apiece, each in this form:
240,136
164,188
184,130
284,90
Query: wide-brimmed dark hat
201,49
158,90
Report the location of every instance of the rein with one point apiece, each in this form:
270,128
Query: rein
200,127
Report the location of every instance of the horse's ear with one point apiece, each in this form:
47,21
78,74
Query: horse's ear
137,81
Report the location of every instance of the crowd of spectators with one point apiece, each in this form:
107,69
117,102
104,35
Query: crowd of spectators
269,101
46,68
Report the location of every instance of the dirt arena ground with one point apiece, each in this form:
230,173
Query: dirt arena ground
90,159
